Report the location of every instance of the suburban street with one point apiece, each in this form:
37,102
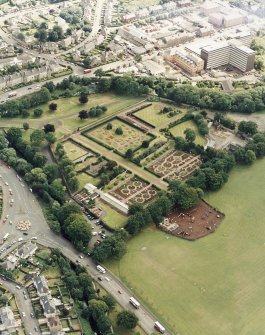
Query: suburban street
24,306
26,207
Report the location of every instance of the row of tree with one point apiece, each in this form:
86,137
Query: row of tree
16,107
67,167
96,111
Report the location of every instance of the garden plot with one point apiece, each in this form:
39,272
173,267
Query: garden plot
135,190
73,150
179,129
176,165
131,137
149,194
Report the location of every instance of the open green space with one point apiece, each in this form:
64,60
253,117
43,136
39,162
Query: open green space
113,218
131,137
152,115
214,285
66,115
84,178
73,151
179,129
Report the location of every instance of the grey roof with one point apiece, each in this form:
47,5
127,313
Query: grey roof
47,305
25,250
41,284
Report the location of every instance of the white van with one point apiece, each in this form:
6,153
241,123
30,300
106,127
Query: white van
159,327
101,269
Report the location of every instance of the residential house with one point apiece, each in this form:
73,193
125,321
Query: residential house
8,322
41,285
26,250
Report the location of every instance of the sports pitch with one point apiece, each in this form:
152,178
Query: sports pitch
215,285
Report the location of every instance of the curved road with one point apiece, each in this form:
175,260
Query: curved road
26,207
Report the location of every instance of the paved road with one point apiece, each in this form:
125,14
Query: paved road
26,207
24,306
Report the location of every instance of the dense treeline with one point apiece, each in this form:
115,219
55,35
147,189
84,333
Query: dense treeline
19,107
82,290
67,167
44,179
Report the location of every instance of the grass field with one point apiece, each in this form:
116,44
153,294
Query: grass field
73,151
113,218
114,103
84,178
214,285
151,115
130,139
179,129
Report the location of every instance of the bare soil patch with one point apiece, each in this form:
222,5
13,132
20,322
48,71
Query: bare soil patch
193,223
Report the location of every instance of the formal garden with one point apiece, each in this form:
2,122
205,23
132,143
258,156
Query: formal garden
119,135
174,165
135,190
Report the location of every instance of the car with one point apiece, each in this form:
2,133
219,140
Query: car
94,233
25,297
32,315
29,88
10,222
81,256
23,314
20,239
34,238
25,233
77,261
18,287
36,329
107,279
100,278
7,216
6,183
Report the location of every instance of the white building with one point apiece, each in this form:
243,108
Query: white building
109,199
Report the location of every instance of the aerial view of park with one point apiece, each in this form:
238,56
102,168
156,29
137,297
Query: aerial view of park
214,285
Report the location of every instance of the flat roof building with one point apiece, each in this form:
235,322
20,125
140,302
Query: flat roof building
228,53
191,64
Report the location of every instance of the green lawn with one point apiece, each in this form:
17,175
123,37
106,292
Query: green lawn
66,115
73,151
114,103
84,178
179,129
113,218
151,115
214,285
